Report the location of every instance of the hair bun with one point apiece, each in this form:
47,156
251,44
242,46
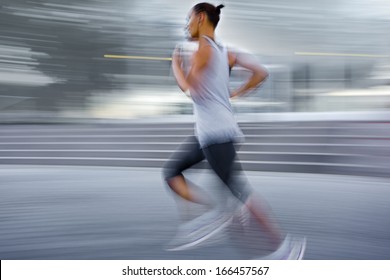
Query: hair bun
218,8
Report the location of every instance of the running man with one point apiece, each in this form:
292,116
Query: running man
216,134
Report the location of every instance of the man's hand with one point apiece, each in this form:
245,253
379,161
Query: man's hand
234,95
259,73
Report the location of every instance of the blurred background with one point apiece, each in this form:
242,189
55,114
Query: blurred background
322,55
90,112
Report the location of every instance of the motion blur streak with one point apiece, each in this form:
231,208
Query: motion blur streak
341,54
137,57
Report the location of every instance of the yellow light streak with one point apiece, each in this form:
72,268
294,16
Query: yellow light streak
137,57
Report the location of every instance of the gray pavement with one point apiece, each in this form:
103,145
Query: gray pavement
72,212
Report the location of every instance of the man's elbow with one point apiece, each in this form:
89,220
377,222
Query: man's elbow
262,75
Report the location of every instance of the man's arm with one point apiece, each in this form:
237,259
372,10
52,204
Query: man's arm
259,73
178,71
199,62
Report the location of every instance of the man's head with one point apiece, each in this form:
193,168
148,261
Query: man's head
202,16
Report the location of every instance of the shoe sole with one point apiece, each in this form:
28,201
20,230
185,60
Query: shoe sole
200,240
303,249
298,255
292,255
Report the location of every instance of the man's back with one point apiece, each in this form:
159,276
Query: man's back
215,122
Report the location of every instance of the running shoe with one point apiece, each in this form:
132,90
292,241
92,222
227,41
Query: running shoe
200,229
290,249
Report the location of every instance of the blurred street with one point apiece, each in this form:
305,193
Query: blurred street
95,191
49,212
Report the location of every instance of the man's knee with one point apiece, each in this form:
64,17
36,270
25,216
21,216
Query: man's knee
240,187
169,172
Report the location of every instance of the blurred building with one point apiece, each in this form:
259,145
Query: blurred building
322,56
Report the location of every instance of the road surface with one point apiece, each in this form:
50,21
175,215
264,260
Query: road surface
73,212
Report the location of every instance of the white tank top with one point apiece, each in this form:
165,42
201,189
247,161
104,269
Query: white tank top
214,120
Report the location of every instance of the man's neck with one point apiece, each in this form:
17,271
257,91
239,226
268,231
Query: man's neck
208,33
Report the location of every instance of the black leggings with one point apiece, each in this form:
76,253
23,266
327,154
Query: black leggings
221,158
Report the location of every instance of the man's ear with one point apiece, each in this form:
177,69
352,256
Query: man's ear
202,17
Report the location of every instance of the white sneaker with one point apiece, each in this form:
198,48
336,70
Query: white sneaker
199,230
298,249
289,250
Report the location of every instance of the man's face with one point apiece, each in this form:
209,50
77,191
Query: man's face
192,27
